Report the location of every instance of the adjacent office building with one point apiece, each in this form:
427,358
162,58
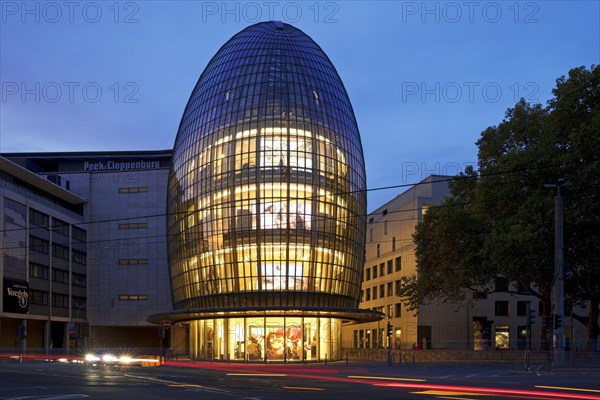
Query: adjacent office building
85,232
44,262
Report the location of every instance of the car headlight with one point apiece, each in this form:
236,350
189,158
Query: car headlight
109,358
91,357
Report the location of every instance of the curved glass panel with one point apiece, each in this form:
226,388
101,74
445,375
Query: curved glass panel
266,198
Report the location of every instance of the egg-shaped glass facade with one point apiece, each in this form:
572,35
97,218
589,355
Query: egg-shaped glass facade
266,197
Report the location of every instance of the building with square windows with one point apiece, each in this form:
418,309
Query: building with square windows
497,321
91,246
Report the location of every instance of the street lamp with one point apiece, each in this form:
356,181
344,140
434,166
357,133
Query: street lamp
558,298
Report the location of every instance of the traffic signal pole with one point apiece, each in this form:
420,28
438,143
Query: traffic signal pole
558,298
530,321
389,343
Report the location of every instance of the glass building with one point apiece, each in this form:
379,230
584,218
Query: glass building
266,203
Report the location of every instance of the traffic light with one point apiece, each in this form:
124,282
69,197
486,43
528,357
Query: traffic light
390,329
548,323
531,317
557,321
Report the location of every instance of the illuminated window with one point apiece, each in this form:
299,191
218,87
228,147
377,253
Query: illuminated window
133,261
133,297
128,190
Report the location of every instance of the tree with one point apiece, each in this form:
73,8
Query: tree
499,221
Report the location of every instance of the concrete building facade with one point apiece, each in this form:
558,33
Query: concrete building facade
495,322
122,211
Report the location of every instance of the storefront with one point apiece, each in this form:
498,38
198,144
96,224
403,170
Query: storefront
285,339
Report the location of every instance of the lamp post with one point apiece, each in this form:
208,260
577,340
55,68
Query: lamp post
558,290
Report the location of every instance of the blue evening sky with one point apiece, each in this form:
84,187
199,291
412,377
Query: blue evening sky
425,78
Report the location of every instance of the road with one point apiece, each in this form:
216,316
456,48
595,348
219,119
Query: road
38,380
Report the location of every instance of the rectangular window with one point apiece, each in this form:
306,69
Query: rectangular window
398,310
501,308
59,251
370,234
397,287
522,308
390,310
79,257
79,234
38,297
374,292
60,300
385,228
390,289
378,250
79,280
139,225
390,266
38,245
79,302
374,271
60,276
38,218
362,295
60,227
133,261
398,263
382,269
133,297
127,190
368,291
38,271
381,291
368,274
394,243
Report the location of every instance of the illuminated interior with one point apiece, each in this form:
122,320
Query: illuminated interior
266,339
266,199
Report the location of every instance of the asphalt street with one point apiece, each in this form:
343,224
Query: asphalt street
39,380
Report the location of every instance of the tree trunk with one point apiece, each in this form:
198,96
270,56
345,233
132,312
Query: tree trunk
592,325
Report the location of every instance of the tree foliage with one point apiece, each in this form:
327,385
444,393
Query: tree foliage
499,220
